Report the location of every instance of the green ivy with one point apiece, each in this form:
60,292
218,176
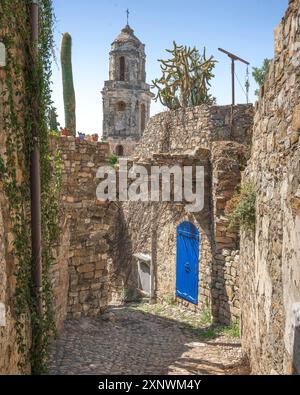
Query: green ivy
24,86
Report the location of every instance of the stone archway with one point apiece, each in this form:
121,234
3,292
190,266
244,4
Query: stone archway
120,150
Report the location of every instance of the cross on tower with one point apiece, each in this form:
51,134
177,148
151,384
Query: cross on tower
127,12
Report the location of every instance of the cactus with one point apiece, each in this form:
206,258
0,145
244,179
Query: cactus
68,86
186,78
53,124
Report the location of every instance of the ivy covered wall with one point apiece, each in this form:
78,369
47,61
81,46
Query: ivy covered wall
25,102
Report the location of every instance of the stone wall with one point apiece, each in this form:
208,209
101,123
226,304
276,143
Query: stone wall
184,129
228,161
59,272
9,356
185,137
128,146
270,270
151,229
88,228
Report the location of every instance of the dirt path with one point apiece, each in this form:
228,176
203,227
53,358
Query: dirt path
146,340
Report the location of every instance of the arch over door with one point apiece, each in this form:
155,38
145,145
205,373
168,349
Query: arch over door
187,262
120,150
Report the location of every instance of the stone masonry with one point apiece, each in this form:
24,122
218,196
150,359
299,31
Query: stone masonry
126,96
9,356
184,129
193,136
89,227
270,270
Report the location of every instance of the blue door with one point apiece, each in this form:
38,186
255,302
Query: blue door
187,265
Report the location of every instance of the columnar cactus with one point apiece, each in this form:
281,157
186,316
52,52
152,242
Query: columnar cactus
68,85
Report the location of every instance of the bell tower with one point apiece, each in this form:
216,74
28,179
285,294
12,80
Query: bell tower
126,95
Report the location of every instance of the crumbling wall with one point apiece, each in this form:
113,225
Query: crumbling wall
269,262
184,129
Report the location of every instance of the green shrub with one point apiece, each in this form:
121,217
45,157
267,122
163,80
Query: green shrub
241,209
113,160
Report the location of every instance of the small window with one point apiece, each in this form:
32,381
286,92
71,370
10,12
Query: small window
143,117
121,106
120,150
122,68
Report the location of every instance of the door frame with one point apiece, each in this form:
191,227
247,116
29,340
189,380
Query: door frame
190,232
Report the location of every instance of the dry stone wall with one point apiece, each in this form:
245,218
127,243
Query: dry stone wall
184,129
9,356
197,135
151,229
270,270
228,161
88,228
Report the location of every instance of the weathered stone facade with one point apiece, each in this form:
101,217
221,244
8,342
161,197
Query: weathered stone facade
186,129
9,356
126,96
228,160
84,252
193,137
94,262
269,262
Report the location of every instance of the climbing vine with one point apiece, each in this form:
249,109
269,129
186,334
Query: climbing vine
26,97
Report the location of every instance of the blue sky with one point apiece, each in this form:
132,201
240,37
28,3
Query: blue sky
244,27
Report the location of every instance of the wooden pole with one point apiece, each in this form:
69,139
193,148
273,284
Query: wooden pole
233,59
233,81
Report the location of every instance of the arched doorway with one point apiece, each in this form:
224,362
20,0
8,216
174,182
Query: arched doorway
187,262
122,68
120,150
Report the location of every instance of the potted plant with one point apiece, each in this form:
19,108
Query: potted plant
64,132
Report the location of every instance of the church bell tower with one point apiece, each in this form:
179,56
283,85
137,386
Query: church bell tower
126,95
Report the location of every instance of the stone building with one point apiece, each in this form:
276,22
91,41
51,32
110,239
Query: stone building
197,136
126,96
270,256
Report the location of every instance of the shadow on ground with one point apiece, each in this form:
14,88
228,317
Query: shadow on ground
130,342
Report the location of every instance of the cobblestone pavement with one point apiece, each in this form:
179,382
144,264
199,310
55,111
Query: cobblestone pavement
127,341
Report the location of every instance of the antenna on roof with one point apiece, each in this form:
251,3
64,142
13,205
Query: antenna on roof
127,12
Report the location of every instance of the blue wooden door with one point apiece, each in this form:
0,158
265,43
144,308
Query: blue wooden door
187,265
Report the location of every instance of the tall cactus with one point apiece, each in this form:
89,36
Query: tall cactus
68,85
